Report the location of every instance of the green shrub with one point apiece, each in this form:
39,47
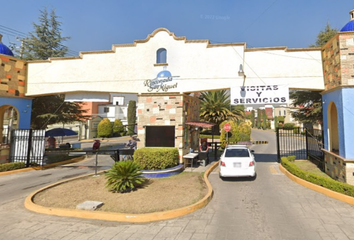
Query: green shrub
296,130
4,167
291,158
124,177
276,123
328,183
241,132
156,158
289,126
233,136
245,128
118,128
244,137
104,128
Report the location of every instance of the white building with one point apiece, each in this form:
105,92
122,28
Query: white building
118,109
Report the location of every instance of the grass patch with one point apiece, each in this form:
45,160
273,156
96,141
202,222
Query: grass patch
323,181
159,194
310,167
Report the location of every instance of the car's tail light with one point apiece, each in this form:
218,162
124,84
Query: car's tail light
251,163
222,163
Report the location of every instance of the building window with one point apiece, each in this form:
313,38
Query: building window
284,112
118,101
161,56
160,136
106,109
279,112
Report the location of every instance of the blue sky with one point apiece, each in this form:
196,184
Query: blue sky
96,25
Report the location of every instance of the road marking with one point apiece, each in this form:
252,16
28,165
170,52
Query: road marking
274,170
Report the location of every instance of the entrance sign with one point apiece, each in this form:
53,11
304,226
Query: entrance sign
161,83
227,127
266,94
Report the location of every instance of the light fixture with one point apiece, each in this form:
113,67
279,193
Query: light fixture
240,71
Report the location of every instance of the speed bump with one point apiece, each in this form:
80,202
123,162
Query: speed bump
260,142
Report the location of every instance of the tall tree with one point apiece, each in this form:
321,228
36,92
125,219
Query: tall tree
131,117
324,36
259,117
264,119
216,108
53,109
309,104
45,42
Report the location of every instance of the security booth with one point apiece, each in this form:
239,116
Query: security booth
162,121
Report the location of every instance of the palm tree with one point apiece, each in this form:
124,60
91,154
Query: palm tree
238,111
216,107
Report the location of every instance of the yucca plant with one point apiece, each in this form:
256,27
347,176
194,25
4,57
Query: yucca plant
124,177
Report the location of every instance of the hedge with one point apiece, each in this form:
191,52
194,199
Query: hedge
328,183
11,166
156,158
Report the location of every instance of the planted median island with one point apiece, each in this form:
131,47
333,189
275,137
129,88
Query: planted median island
123,189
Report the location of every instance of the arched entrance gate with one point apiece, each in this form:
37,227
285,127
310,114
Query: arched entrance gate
168,86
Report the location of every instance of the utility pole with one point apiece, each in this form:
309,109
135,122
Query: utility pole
22,48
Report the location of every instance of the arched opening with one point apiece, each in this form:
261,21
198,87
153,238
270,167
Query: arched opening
8,121
333,137
161,56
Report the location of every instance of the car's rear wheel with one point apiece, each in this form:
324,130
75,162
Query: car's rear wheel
254,177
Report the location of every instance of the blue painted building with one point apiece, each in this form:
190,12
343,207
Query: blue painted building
338,104
15,108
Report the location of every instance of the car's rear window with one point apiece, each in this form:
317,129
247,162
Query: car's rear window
237,153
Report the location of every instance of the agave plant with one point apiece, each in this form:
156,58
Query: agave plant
124,176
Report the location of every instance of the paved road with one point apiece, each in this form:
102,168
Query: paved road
18,186
270,207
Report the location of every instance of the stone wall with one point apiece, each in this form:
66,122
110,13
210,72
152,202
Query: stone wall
339,168
337,60
13,74
168,110
335,166
331,64
346,42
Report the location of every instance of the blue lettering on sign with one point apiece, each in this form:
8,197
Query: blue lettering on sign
160,84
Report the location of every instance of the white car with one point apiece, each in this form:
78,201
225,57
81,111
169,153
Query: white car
237,161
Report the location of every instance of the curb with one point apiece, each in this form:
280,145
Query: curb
51,165
121,217
17,171
317,188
